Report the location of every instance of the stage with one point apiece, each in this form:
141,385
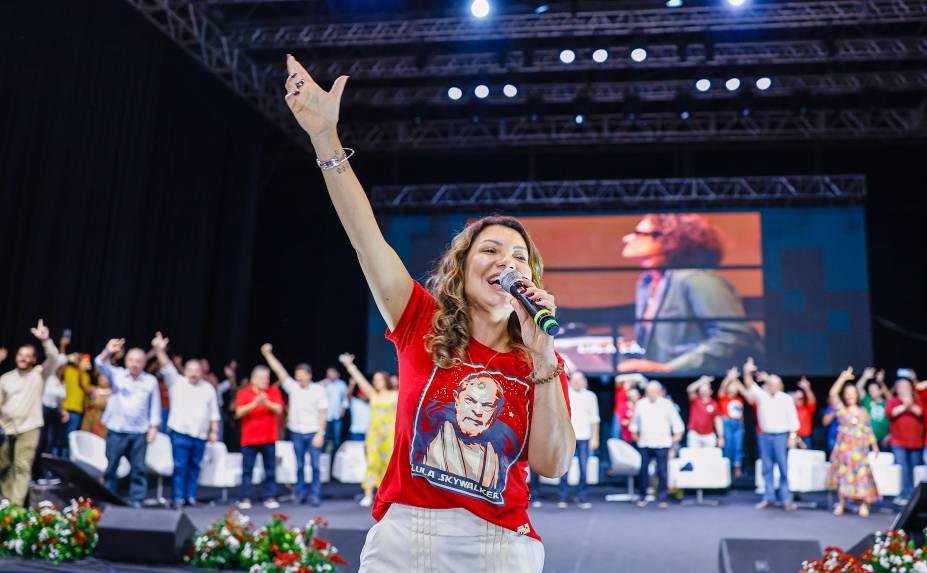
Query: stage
609,537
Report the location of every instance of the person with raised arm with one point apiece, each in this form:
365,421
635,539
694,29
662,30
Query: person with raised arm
259,406
731,397
875,393
193,420
476,374
778,419
849,472
305,420
805,404
131,417
383,399
21,417
706,429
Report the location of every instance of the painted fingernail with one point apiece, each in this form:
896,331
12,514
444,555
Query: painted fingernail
291,76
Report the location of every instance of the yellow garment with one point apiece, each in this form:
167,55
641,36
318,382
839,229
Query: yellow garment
379,441
74,382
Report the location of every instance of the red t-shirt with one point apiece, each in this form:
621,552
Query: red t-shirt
732,408
907,430
461,433
702,415
805,419
259,426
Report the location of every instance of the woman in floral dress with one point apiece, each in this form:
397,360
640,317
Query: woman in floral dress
849,471
384,397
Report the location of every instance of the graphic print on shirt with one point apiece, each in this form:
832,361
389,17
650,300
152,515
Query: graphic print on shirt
470,428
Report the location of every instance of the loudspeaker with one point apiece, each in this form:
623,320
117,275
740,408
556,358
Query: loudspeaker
143,535
765,555
76,482
912,519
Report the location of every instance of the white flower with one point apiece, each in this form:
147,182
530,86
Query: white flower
233,543
920,567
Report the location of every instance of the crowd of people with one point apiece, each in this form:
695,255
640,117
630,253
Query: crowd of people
127,396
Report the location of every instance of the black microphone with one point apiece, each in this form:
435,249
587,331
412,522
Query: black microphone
542,317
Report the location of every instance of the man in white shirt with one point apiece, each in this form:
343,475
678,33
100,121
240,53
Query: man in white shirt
193,420
584,415
306,418
21,414
656,427
777,433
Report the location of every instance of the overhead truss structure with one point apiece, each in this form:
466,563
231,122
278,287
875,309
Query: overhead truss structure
684,20
398,96
621,193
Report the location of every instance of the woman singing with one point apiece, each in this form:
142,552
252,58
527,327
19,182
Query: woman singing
482,394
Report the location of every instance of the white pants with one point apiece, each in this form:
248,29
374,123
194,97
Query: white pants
417,540
696,440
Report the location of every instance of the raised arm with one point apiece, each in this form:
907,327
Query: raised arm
729,378
841,380
692,389
864,378
356,375
102,363
886,391
267,350
51,352
805,386
317,112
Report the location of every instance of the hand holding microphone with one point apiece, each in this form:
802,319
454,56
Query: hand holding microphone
509,280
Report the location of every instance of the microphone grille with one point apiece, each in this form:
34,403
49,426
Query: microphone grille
508,278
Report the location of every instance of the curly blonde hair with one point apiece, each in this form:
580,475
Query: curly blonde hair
450,329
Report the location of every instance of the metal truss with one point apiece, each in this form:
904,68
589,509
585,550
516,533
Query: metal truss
657,90
622,129
658,56
185,24
585,24
622,192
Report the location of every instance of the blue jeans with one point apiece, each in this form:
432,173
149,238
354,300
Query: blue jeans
534,486
134,446
774,451
357,437
734,441
809,443
188,453
907,458
333,434
302,443
74,420
661,455
616,427
269,457
582,452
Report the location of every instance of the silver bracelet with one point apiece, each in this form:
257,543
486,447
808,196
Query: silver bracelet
335,161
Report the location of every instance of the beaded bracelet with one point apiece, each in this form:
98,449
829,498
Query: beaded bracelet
552,376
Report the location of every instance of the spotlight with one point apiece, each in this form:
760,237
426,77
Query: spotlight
567,56
732,84
455,93
763,83
736,3
541,8
745,112
481,91
684,115
638,54
479,8
599,56
703,84
580,118
509,90
673,3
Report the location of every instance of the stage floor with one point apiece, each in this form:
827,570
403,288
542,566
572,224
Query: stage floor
607,538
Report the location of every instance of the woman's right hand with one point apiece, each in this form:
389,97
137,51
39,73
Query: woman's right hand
315,109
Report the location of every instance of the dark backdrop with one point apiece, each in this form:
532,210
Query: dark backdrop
138,193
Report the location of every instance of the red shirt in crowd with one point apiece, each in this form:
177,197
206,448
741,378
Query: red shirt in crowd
906,429
624,411
805,419
461,432
732,408
259,426
702,415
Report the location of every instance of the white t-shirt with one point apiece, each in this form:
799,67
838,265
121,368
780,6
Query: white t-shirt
360,416
775,413
655,422
53,394
305,405
584,412
193,406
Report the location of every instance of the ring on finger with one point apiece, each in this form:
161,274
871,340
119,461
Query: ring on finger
300,84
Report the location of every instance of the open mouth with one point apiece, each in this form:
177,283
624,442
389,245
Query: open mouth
493,281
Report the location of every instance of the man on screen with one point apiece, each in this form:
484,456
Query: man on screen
689,317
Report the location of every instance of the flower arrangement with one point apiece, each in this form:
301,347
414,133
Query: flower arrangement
892,552
47,532
232,542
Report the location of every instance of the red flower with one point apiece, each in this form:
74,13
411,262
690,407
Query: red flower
337,559
320,544
284,559
280,516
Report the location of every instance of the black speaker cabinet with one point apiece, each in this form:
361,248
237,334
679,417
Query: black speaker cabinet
143,535
765,555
